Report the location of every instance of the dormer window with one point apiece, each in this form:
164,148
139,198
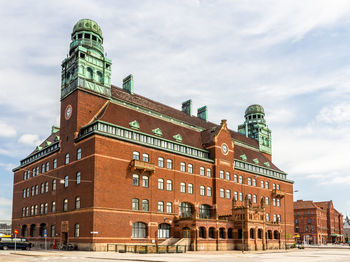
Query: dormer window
157,132
243,157
134,124
256,161
178,138
267,164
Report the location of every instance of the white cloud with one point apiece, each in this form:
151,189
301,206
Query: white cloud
29,139
7,130
5,202
335,114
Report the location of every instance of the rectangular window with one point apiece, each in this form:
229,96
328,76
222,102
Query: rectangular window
54,163
235,178
278,187
222,175
274,201
47,166
43,168
201,171
78,178
273,186
267,201
222,193
240,196
240,179
278,202
135,180
208,172
262,184
267,185
249,181
228,176
236,196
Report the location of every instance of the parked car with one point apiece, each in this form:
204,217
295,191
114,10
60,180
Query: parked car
9,242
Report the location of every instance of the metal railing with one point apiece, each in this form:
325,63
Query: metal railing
145,249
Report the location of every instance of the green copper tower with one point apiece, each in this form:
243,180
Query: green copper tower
255,127
86,67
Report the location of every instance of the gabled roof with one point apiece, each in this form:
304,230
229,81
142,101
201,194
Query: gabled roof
308,204
50,139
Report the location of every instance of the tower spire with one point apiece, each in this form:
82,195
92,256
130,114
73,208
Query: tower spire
86,67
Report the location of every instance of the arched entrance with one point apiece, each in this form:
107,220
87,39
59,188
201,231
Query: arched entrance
186,232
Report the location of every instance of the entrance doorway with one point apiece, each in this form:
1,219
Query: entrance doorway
186,232
64,237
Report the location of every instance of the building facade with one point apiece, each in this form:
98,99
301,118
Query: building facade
122,168
318,222
5,227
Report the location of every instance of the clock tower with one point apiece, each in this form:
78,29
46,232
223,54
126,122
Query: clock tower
86,79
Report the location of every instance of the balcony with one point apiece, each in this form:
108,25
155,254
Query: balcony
277,193
141,166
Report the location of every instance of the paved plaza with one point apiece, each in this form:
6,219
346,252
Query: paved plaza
306,255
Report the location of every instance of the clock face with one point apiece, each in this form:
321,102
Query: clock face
68,112
224,149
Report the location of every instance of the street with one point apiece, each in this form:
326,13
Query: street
306,255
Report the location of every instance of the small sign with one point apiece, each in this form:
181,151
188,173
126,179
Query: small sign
16,231
45,233
93,232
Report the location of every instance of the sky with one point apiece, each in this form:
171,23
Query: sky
291,57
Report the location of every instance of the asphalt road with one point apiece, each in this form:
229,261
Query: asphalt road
306,255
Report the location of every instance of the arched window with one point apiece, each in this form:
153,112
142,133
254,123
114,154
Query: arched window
77,203
139,230
135,204
24,231
41,229
32,230
163,230
90,73
182,167
136,155
230,233
53,207
46,208
169,185
182,187
145,205
145,157
190,168
66,181
269,234
135,179
189,188
145,181
169,164
240,233
222,233
185,209
211,232
78,153
66,161
276,234
202,232
252,233
160,184
52,231
209,191
54,185
204,211
46,187
254,198
202,190
160,206
76,230
260,233
100,77
47,166
160,162
65,205
78,178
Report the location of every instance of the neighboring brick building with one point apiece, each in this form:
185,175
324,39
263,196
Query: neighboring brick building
318,222
347,229
125,169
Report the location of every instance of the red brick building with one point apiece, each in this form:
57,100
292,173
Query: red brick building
318,222
125,169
